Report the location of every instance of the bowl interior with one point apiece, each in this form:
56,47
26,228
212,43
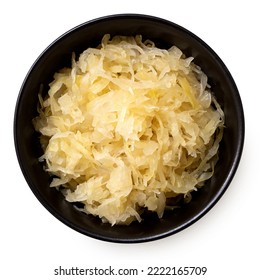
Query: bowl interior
164,34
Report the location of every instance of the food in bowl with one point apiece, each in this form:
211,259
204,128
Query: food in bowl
129,127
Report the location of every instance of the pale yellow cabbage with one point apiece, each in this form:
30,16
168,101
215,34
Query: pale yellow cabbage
128,127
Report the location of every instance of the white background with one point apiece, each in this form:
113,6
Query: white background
226,240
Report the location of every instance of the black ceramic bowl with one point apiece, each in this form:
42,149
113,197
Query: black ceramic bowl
164,34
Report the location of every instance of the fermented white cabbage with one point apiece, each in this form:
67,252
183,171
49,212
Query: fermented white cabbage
128,127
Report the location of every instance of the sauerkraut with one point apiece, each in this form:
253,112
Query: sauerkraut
129,127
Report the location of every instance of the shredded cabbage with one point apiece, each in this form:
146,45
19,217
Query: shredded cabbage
128,127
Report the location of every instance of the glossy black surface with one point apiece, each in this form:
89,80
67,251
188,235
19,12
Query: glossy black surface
164,34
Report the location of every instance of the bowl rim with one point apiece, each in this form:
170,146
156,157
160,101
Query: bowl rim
235,161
